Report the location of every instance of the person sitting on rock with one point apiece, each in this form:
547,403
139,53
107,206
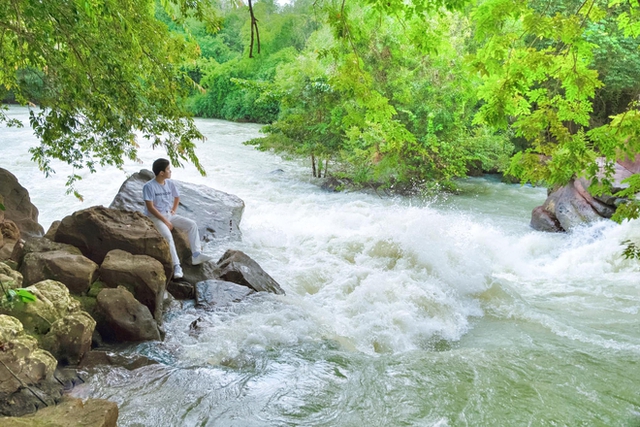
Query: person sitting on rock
161,199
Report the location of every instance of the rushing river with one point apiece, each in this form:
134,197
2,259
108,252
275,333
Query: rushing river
399,311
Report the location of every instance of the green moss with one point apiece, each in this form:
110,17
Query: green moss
95,288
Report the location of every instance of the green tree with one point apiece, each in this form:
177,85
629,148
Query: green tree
104,71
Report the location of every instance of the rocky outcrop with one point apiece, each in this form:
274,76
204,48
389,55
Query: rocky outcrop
70,412
53,302
122,318
217,294
142,275
238,267
217,214
63,328
26,372
76,271
98,230
572,204
17,203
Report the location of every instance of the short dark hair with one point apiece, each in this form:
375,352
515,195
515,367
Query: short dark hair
160,165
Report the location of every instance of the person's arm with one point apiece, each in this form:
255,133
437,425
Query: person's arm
176,202
153,211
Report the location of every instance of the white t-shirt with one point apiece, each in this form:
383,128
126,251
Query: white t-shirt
162,196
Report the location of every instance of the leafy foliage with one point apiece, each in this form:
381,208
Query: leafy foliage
100,71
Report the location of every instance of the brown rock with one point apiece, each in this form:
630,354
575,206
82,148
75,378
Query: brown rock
7,249
179,289
40,244
9,230
98,230
238,267
125,319
76,271
140,274
51,232
542,220
17,203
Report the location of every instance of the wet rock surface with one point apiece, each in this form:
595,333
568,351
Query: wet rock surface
237,267
217,294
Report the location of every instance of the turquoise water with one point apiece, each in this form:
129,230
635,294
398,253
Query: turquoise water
399,311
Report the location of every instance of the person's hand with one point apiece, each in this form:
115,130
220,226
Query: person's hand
172,211
169,225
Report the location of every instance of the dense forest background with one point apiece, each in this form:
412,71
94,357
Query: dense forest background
400,95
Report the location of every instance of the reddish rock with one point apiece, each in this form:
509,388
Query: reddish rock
17,203
98,230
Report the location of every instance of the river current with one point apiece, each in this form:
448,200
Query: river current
399,311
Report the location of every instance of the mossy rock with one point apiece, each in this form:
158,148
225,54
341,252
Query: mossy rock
10,278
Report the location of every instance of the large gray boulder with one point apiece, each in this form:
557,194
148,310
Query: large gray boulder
17,203
123,318
98,230
238,267
142,275
217,214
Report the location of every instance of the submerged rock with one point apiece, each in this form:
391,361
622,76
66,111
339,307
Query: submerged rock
97,358
70,412
215,294
217,214
238,267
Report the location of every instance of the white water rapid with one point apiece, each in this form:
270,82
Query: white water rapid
399,311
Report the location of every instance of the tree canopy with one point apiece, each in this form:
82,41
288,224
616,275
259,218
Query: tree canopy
400,94
102,73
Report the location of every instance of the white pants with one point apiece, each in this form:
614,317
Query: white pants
181,223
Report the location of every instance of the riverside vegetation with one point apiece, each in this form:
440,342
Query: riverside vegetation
400,95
